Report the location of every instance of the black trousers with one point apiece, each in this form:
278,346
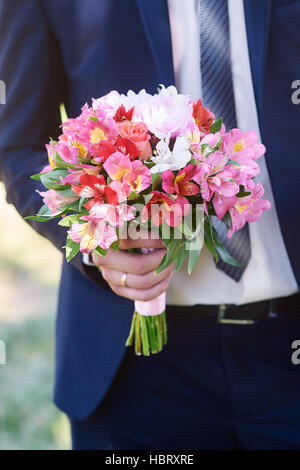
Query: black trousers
214,386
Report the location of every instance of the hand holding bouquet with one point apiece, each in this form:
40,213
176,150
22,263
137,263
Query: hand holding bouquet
158,163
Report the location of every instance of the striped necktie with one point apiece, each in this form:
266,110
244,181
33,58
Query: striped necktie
217,95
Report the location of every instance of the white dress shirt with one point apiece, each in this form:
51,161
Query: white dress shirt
269,273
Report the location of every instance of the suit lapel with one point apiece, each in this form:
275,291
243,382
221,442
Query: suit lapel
257,16
155,17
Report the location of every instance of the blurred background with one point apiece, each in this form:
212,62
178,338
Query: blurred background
29,275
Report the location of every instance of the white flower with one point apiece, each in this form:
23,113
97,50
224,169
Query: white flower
171,160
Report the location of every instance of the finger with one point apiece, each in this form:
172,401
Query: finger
136,281
132,262
145,241
144,295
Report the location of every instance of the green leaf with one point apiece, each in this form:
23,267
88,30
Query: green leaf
227,220
205,147
43,215
166,233
181,257
44,211
148,197
82,201
94,118
51,180
211,230
69,220
209,242
156,181
169,258
61,164
133,195
37,176
39,219
193,258
115,245
72,207
233,162
68,192
225,256
216,127
243,193
186,230
72,248
223,253
101,251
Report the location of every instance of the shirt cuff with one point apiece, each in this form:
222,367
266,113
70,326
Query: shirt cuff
87,260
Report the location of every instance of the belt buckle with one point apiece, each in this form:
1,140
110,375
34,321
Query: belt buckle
231,321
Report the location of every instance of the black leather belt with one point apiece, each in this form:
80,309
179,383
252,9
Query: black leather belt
245,314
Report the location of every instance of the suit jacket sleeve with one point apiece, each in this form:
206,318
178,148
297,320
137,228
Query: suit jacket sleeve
31,67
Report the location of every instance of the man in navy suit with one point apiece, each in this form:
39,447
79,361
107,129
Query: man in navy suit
226,379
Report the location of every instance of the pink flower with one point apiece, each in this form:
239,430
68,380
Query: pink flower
108,103
242,209
114,215
244,148
74,175
180,184
51,151
162,208
47,169
85,234
92,234
55,200
252,205
85,135
213,176
105,234
135,131
67,153
138,133
127,175
211,139
166,114
223,204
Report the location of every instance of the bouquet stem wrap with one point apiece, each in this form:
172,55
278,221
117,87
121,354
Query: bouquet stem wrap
148,332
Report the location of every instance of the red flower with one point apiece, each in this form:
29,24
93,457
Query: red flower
122,114
104,150
127,147
181,183
204,118
162,208
95,187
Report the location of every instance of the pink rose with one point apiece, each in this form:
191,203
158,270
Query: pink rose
137,132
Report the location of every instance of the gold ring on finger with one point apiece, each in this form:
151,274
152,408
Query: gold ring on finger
124,280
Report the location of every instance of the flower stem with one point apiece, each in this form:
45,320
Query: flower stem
148,334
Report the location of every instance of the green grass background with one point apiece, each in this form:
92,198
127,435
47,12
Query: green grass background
29,274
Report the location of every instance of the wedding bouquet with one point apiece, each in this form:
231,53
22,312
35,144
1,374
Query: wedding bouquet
159,162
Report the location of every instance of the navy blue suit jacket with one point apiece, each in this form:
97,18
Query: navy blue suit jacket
69,51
